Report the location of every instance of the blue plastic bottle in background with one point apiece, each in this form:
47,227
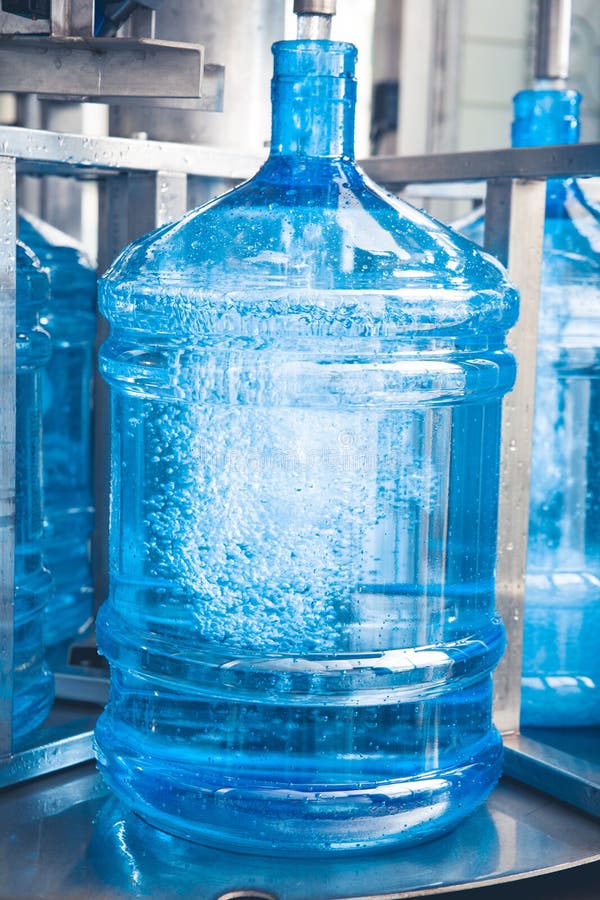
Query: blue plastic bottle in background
33,684
561,665
306,379
71,321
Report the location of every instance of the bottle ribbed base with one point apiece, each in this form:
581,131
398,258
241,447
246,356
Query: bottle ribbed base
291,821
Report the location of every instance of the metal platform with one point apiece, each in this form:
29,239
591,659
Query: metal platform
562,762
64,837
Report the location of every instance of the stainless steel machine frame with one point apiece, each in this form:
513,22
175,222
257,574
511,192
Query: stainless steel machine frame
60,55
143,185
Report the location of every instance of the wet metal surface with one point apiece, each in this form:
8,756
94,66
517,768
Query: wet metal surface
562,762
64,837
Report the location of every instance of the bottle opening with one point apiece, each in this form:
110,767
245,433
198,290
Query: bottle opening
545,116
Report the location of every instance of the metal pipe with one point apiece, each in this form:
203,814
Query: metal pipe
315,7
552,40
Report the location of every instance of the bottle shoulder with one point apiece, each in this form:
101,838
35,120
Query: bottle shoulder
31,283
324,229
569,313
70,268
33,344
571,229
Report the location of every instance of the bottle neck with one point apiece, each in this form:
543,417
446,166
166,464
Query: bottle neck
313,94
545,116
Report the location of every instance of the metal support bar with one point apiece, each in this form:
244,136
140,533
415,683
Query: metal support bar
213,86
560,161
73,154
64,746
112,237
130,205
102,67
70,154
133,203
554,772
514,233
155,199
8,236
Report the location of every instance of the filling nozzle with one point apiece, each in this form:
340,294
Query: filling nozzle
552,43
314,19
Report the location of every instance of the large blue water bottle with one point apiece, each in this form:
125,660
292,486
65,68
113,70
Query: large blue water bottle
306,379
561,668
33,684
71,320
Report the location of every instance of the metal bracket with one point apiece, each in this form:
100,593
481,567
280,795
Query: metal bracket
61,747
105,68
549,769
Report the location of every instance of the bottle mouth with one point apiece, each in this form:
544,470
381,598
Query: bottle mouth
546,115
316,58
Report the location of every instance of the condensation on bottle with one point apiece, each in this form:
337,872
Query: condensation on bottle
70,318
561,670
306,378
33,683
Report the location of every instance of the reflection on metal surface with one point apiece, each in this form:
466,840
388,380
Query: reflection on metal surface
566,775
79,842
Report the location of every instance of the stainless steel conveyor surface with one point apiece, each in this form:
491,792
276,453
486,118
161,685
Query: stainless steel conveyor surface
63,837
